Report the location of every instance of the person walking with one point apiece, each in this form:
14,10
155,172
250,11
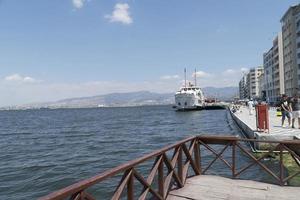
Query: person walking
295,110
250,106
285,110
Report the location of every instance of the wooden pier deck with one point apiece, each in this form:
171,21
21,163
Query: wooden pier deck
207,187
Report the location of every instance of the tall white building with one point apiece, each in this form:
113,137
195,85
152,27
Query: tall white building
290,23
268,74
253,82
261,86
243,87
273,71
250,84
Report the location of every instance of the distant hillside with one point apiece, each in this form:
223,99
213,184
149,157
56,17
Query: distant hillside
129,99
111,100
225,93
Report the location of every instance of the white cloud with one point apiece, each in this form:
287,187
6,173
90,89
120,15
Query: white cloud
13,89
120,14
21,79
229,71
201,74
169,77
243,69
19,94
78,3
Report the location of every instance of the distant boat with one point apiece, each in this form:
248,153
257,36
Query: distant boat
189,97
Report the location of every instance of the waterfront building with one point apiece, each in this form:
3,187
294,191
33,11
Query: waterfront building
268,71
261,86
290,25
243,94
273,71
253,82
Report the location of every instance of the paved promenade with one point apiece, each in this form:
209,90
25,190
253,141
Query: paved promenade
206,187
276,131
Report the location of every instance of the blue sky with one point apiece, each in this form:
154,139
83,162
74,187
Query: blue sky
72,48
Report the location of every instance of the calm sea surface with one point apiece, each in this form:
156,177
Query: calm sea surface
45,150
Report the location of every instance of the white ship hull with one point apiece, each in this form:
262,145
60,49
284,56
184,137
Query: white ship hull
189,97
187,102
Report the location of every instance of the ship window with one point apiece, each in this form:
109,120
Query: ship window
179,103
185,103
199,101
189,89
184,89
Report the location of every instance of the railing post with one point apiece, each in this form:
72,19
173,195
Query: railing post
161,178
233,158
130,187
197,156
281,165
179,164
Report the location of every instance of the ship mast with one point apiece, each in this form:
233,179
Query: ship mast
185,77
195,77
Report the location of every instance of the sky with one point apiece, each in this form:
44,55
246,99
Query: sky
56,49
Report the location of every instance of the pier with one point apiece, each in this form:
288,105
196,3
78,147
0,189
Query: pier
207,187
179,172
247,124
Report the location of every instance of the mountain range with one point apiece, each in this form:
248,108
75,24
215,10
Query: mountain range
129,99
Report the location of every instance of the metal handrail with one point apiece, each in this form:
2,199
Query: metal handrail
177,169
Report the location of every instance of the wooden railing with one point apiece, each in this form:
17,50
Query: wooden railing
169,172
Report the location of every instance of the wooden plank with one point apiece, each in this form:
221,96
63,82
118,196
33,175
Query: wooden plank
121,187
154,170
167,183
144,182
208,187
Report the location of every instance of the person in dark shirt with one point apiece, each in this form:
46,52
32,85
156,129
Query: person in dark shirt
285,109
295,110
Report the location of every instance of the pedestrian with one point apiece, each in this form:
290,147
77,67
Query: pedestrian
295,110
250,106
286,109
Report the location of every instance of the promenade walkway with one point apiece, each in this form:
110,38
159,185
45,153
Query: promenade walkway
276,131
207,187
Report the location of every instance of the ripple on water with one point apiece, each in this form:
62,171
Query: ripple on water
45,150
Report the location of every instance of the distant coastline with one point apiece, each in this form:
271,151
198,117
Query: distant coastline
130,99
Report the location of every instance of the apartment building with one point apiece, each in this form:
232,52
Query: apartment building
268,75
290,25
249,85
261,86
273,71
253,81
243,88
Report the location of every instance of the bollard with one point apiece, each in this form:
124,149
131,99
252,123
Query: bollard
262,118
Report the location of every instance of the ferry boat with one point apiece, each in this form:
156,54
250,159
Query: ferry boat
189,97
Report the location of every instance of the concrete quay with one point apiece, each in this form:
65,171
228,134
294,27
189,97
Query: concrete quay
207,187
247,124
